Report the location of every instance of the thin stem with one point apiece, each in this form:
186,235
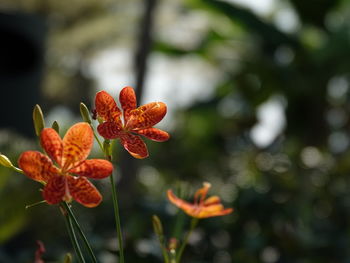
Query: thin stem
97,139
17,170
117,219
81,233
158,230
164,253
194,223
106,149
35,204
172,254
73,237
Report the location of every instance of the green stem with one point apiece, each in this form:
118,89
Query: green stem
97,139
172,254
73,237
81,233
165,253
117,219
194,223
17,170
106,149
162,246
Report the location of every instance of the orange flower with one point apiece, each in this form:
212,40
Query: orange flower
138,121
68,180
201,207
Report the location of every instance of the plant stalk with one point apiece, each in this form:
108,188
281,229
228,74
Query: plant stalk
117,218
73,237
81,233
194,223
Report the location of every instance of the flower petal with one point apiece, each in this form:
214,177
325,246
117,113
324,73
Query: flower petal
146,116
94,168
134,145
109,130
182,204
202,192
154,134
127,100
213,210
106,106
77,144
37,166
52,144
55,190
83,191
212,200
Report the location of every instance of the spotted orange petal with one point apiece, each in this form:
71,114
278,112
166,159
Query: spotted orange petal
52,144
146,116
154,134
180,203
55,190
109,130
134,145
83,191
106,106
127,100
37,166
77,144
94,168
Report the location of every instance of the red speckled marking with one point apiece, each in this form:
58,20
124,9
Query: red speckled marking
136,120
146,116
83,191
127,100
109,130
134,145
52,144
106,106
94,168
77,144
37,166
54,191
154,134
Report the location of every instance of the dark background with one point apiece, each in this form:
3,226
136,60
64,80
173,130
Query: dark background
290,192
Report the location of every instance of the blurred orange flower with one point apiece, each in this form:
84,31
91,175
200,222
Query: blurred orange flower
201,207
138,121
67,180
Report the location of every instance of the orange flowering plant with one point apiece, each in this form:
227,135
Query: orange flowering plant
64,169
68,179
136,121
202,207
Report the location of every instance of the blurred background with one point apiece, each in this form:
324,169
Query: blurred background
258,104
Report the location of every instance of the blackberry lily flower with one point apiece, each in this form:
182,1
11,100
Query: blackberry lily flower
136,121
201,207
67,179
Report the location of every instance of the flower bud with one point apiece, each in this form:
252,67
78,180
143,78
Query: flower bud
4,161
157,226
173,244
67,258
55,126
84,111
38,119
